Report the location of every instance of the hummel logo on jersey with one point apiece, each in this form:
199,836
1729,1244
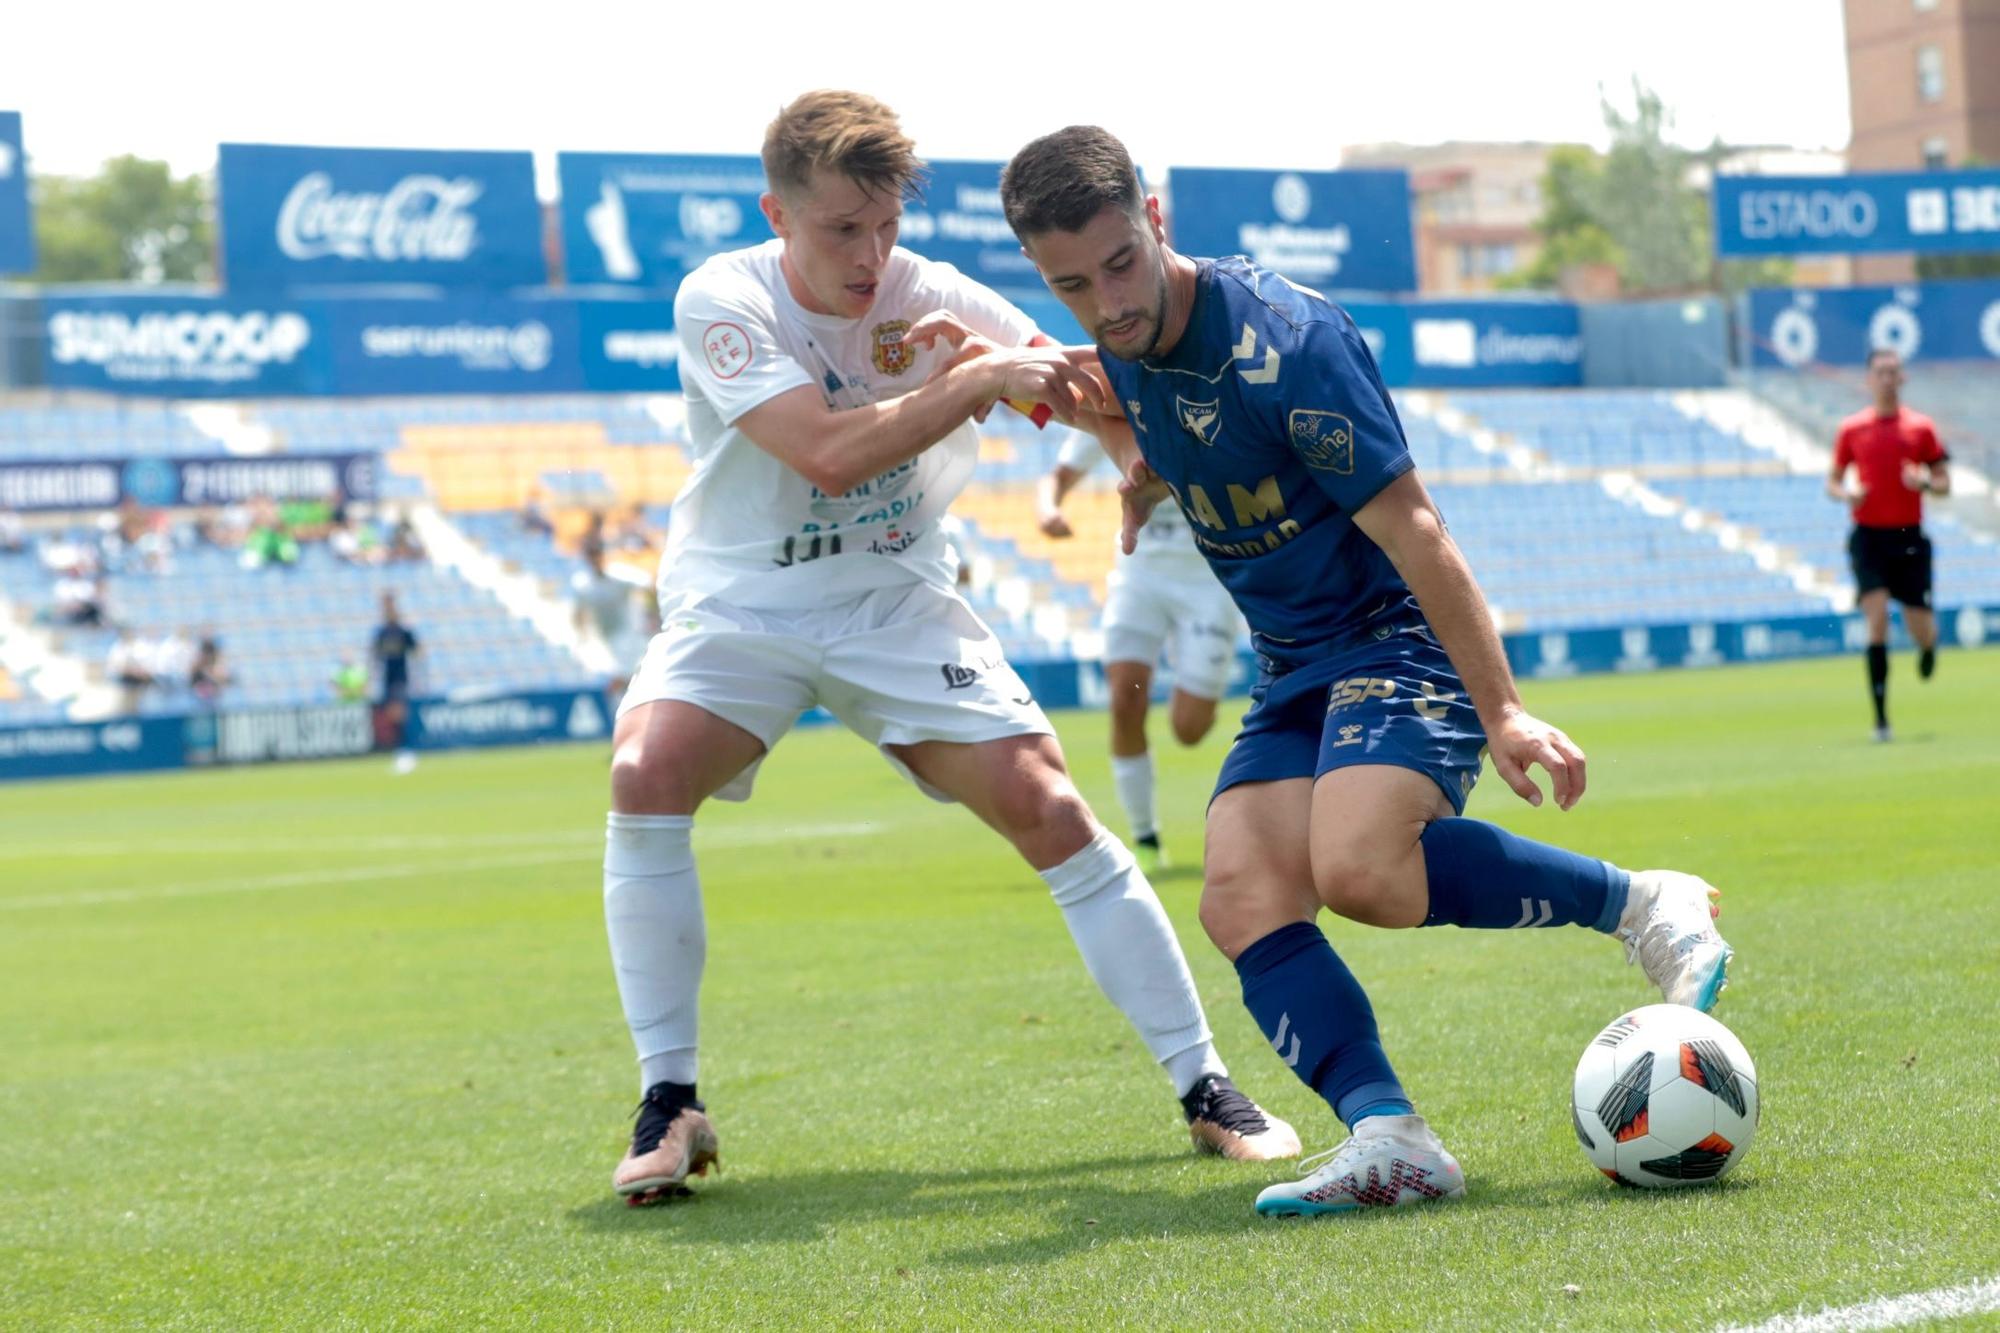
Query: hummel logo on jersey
957,677
1201,420
1267,370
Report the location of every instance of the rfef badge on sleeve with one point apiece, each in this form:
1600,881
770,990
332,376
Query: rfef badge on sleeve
1323,440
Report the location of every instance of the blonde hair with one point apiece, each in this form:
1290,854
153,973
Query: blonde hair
849,133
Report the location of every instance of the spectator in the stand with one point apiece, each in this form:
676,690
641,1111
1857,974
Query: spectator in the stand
535,514
209,675
355,539
81,599
224,528
270,542
403,542
13,534
127,667
350,682
170,659
394,646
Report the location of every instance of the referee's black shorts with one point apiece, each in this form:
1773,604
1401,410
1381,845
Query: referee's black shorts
1895,559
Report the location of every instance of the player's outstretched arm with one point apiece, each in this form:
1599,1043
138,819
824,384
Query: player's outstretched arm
1402,521
837,450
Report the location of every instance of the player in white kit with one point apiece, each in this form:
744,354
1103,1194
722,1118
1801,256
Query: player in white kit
1160,598
804,566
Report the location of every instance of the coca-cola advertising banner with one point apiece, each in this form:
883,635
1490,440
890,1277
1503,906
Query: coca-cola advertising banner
17,236
300,216
650,219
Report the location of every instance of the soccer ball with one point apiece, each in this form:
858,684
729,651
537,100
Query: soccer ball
1665,1096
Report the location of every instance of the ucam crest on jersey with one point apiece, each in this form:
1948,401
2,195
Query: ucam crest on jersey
1201,420
1324,440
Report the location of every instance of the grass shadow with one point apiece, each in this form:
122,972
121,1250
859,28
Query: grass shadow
1078,1205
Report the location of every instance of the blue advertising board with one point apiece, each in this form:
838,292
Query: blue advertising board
463,344
296,216
1464,344
1925,212
959,221
1837,326
1325,229
509,719
74,749
161,481
17,234
650,219
628,346
184,346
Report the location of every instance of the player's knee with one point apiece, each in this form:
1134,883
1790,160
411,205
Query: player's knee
1128,708
1044,816
1191,727
645,782
1362,885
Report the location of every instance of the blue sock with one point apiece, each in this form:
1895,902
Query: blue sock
1317,1018
1484,878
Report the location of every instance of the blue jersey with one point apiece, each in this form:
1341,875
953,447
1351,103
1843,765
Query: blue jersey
1269,421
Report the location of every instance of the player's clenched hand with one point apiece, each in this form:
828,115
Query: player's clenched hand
1916,476
1053,524
1521,742
1139,491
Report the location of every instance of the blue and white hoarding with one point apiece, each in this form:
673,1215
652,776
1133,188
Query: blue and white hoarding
650,219
1923,212
1838,326
297,216
1467,344
184,346
959,220
17,236
1326,229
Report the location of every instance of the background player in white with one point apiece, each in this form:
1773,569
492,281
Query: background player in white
804,565
1160,597
609,625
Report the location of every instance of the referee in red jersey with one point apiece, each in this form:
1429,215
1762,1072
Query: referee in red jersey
1896,460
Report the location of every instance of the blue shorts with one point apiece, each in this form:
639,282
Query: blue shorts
1393,699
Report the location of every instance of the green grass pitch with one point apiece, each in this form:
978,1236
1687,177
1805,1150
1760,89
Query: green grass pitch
313,1046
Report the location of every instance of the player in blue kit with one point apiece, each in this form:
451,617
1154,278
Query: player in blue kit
1256,405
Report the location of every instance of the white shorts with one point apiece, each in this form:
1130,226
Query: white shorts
896,666
1188,616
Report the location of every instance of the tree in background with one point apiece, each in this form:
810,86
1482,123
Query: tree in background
1635,208
134,221
1571,235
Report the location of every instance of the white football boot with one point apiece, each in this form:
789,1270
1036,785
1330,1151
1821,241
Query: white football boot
1669,930
1390,1161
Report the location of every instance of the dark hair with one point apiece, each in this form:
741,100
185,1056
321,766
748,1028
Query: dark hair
849,133
1874,352
1063,180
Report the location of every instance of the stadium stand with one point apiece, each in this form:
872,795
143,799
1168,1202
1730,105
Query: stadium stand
1577,509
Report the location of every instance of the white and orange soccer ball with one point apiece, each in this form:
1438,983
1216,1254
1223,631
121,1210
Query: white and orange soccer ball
1665,1096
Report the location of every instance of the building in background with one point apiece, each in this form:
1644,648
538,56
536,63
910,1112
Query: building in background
1474,210
1923,86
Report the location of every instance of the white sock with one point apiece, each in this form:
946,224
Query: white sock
1131,951
1134,776
659,940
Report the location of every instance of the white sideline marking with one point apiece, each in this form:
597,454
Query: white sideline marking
1978,1297
576,852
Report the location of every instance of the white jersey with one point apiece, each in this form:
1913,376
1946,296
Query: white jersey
604,598
749,528
1165,542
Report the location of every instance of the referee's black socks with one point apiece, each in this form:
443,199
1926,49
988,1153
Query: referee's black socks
1878,681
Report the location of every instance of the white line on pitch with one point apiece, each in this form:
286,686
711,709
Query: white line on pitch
1978,1297
579,854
